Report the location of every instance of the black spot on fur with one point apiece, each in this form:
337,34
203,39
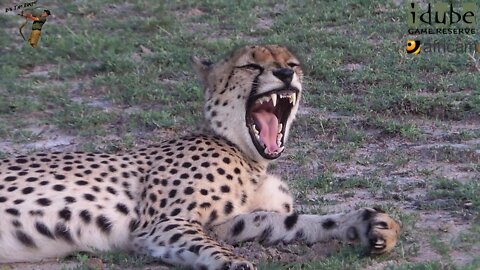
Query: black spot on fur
191,206
228,208
21,160
12,211
65,213
329,224
133,225
60,177
163,203
213,216
10,178
16,223
25,239
225,189
104,223
175,238
170,227
36,213
81,183
31,179
18,201
122,208
238,227
43,230
44,202
111,190
89,197
58,187
188,190
290,221
62,232
85,216
175,212
70,199
265,235
205,205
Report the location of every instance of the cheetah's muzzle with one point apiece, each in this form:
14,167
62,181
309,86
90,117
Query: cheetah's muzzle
266,118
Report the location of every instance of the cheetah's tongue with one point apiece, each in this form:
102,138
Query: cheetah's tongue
268,125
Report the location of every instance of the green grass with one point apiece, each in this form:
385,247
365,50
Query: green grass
445,193
434,266
347,258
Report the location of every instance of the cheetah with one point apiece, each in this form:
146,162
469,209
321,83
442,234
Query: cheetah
178,200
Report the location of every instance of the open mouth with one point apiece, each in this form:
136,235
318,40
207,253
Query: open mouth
266,119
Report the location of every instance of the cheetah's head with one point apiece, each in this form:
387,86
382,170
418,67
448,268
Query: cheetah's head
252,96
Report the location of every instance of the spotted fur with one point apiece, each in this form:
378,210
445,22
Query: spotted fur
159,200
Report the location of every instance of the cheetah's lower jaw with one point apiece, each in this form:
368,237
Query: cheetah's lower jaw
269,129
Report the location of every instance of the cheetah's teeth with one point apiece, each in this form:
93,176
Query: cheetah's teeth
255,130
279,139
280,127
279,150
293,98
274,99
380,243
263,99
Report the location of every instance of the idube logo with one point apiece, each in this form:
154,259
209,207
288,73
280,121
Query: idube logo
442,18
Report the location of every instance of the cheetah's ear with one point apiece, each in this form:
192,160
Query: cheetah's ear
202,68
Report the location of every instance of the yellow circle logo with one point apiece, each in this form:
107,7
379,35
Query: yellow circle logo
413,46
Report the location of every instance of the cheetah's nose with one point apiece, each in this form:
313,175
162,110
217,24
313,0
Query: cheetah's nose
284,74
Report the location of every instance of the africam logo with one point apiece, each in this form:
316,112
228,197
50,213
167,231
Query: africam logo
37,14
441,46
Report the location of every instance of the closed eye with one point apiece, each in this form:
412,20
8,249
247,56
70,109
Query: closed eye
292,65
251,66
